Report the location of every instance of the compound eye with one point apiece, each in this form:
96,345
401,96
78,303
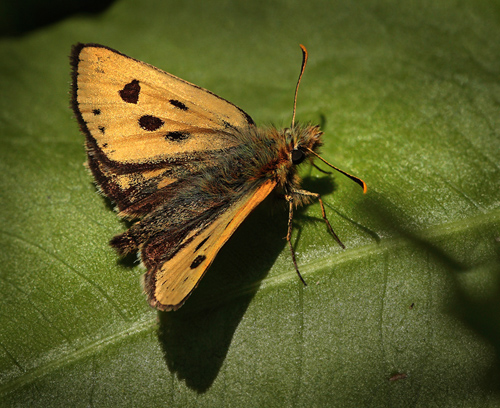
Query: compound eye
298,156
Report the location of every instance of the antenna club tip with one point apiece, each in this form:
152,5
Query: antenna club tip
304,50
362,184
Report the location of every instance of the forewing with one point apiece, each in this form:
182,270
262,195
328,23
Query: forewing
145,128
169,284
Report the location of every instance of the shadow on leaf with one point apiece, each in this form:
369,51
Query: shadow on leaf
464,260
195,339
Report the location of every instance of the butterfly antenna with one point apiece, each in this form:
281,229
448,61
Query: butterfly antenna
353,178
304,62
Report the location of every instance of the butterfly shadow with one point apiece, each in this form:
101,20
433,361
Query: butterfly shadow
196,338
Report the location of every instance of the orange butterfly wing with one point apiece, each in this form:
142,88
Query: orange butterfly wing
146,129
153,142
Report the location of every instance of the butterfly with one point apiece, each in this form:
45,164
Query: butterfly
183,163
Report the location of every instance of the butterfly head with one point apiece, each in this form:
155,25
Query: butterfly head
293,146
302,140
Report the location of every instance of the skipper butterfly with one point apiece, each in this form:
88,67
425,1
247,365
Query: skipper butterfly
186,164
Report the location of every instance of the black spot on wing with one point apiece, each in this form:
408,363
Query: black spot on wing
150,123
102,129
178,104
176,136
130,92
96,112
197,261
201,244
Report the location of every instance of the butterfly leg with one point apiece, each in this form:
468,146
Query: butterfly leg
289,200
323,213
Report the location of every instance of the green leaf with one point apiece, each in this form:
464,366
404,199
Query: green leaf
408,96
